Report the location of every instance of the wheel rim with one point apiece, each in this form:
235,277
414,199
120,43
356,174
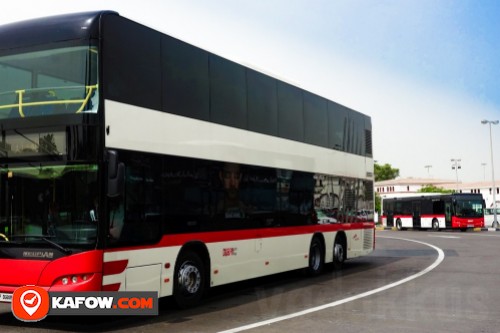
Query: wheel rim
189,278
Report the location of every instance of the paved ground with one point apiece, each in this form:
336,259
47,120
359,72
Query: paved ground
416,281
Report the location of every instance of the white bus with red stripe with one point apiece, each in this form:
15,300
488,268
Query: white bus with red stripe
143,163
439,211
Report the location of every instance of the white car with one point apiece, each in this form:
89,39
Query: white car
323,218
489,216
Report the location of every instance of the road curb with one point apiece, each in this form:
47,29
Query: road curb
490,229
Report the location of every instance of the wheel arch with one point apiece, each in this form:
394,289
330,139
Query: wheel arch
200,249
321,237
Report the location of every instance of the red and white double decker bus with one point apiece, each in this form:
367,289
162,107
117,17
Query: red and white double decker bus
130,160
441,211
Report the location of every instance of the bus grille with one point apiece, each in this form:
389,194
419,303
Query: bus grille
368,239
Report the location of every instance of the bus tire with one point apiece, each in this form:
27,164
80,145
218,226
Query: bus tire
399,226
339,252
189,279
316,257
435,225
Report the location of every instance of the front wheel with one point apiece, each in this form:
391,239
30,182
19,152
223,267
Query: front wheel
189,280
399,225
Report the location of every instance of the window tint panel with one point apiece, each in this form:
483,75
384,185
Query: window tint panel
356,133
337,126
132,64
185,79
227,93
290,115
262,103
315,120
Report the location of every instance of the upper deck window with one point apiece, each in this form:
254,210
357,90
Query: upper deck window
48,82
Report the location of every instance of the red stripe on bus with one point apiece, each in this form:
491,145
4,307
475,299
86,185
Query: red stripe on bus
247,234
114,267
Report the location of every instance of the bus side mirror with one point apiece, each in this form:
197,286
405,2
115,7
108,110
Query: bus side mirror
116,175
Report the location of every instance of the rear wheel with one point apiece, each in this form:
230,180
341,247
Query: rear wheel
189,279
316,257
339,252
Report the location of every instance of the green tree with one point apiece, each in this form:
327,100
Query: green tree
385,172
378,204
433,189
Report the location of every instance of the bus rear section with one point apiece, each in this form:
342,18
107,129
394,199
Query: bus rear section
439,211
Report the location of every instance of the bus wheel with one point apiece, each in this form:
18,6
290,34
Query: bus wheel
316,257
435,225
399,226
189,280
339,253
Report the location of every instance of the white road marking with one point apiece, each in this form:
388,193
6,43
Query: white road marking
450,237
436,263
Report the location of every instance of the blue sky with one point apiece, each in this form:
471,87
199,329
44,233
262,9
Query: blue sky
426,71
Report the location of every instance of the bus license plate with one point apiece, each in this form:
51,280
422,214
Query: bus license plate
6,298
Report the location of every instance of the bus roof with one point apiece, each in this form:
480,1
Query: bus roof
51,29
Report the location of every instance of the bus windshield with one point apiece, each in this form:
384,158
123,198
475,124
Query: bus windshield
469,208
47,82
49,202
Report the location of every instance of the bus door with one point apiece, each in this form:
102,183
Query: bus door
416,214
388,213
447,214
390,218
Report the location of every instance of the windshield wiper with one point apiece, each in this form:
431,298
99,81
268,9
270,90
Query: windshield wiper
47,240
58,246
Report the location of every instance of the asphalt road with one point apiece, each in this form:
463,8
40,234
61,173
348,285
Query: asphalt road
415,281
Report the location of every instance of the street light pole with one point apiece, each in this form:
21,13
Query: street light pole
428,167
495,221
455,166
